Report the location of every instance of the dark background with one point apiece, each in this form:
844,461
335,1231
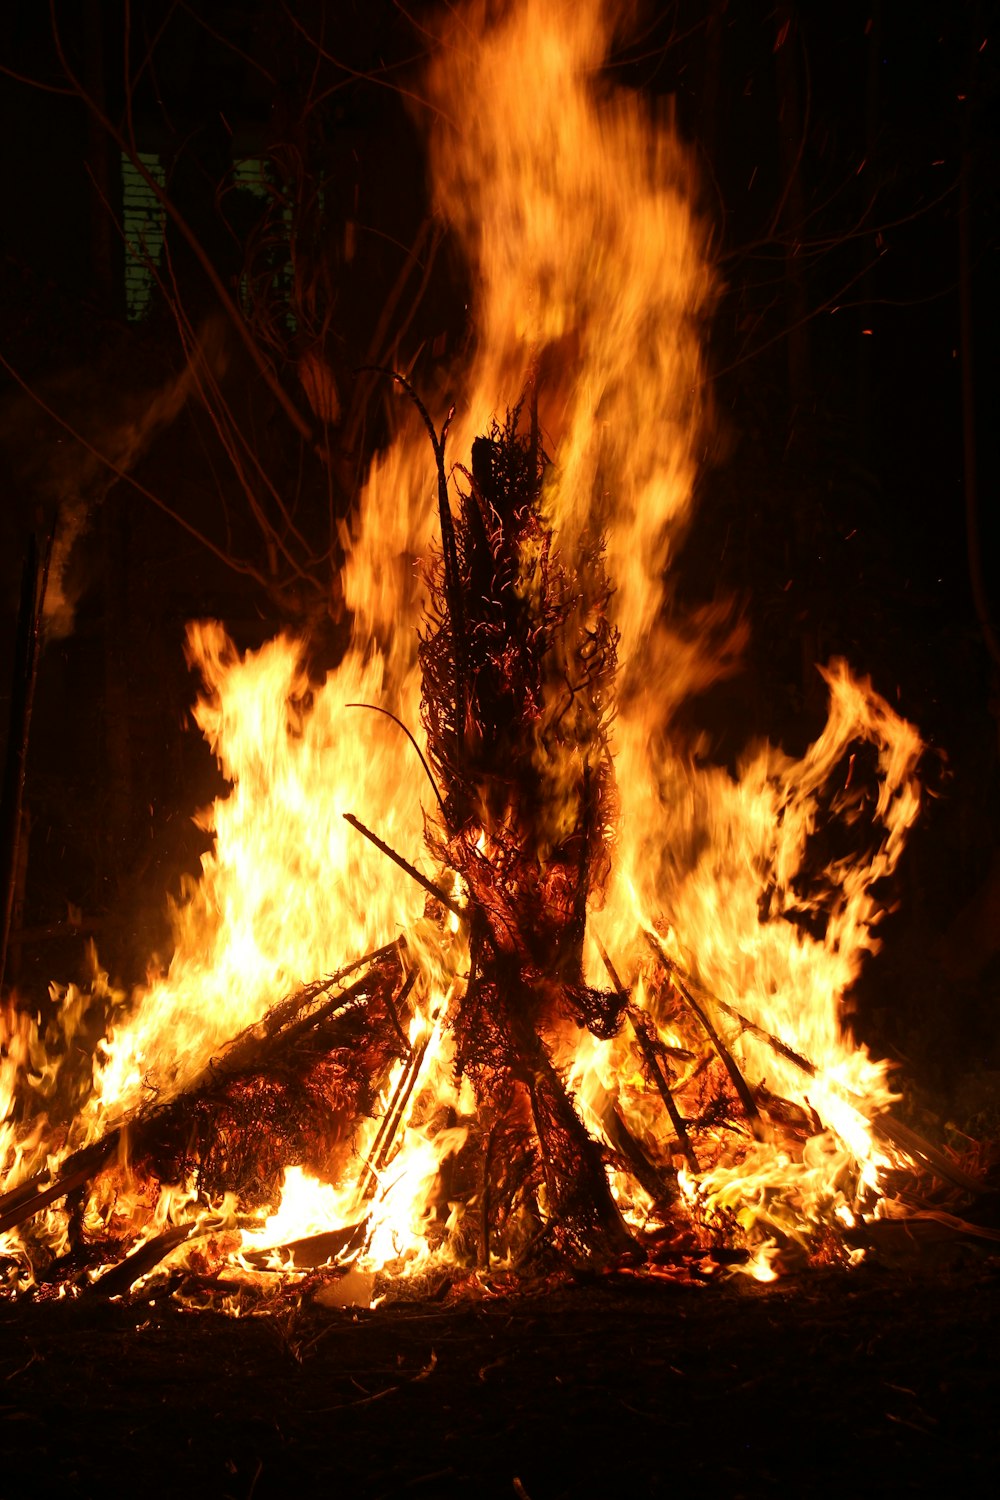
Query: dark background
848,162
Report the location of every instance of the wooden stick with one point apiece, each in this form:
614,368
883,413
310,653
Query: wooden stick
739,1082
775,1043
645,1172
648,1049
400,1110
247,1044
26,1200
390,1005
368,1176
354,996
404,864
249,1048
886,1126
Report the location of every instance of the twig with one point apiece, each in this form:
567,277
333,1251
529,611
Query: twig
377,709
647,1046
350,999
368,1176
739,1082
245,1046
390,1005
404,864
885,1125
685,981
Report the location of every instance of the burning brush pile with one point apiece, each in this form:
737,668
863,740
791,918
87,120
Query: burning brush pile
489,970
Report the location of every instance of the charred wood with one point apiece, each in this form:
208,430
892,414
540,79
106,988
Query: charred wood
647,1046
739,1082
634,1158
404,864
891,1130
30,1197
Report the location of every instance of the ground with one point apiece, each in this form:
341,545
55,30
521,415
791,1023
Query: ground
879,1380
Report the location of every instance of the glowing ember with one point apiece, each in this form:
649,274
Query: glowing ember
426,1106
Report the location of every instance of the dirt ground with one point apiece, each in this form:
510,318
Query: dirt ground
880,1380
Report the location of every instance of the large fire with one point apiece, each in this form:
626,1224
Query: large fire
592,280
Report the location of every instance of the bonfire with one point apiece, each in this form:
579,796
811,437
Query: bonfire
490,972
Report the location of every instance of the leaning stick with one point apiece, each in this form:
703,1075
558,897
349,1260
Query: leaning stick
352,998
685,981
401,999
648,1049
248,1045
739,1082
646,1174
404,864
30,1197
885,1125
391,1120
37,1192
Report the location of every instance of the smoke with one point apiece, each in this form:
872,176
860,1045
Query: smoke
69,441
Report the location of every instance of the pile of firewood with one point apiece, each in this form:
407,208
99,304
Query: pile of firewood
518,659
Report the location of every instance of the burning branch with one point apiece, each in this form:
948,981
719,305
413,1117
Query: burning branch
404,864
891,1130
243,1069
739,1082
640,1025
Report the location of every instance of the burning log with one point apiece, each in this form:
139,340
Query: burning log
123,1276
289,1089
